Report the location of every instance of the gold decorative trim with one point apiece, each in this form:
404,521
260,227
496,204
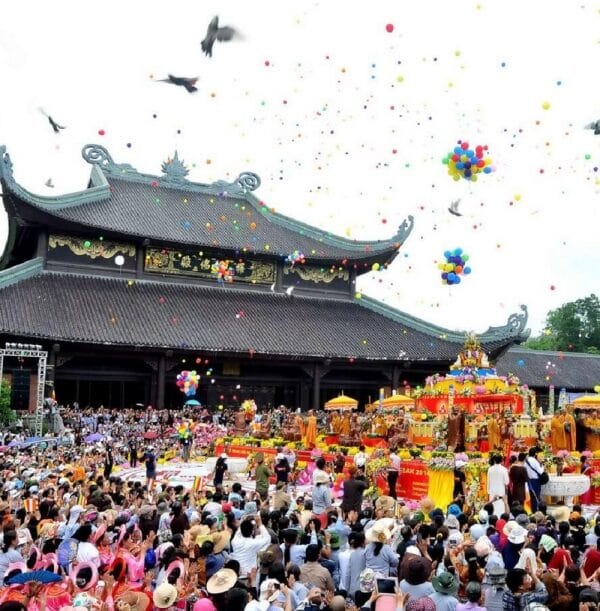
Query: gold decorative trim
91,248
200,265
317,274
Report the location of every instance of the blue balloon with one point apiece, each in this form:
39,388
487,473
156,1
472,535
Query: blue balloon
444,275
467,270
460,165
470,153
521,363
467,165
458,251
467,173
487,169
458,150
457,281
447,254
452,276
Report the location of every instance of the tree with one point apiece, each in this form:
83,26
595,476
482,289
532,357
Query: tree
7,415
573,327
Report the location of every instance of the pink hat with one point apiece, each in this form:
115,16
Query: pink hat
74,573
204,604
100,531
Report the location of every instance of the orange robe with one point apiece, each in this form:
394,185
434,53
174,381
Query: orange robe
493,433
558,439
570,436
345,425
299,424
310,435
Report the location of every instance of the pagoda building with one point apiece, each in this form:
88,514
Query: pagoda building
138,277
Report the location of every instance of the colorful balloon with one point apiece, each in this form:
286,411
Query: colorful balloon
295,257
187,382
464,162
454,268
224,271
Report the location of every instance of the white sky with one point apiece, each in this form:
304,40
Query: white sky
354,93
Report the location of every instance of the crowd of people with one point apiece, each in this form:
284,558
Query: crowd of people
75,535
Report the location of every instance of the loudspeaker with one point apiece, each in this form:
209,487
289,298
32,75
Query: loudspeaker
19,396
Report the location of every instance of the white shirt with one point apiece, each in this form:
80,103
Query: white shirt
344,562
497,480
360,459
245,549
531,474
88,552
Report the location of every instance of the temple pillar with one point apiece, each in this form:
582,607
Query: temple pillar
303,404
160,391
395,377
316,397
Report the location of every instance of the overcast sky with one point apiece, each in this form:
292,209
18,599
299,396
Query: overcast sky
345,122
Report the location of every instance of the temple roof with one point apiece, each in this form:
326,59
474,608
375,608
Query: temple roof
59,306
540,368
170,209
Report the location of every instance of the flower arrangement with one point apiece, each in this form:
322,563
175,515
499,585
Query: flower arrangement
414,452
595,480
441,461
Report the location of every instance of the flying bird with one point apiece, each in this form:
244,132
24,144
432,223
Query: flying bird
49,183
213,33
454,208
55,126
595,126
182,81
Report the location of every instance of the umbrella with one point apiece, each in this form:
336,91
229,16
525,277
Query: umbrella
341,402
40,576
94,437
192,402
15,443
150,435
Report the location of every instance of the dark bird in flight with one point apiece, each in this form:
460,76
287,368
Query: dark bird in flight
213,33
55,126
454,208
49,183
182,81
595,126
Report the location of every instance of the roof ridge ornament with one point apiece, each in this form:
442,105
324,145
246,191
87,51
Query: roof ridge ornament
515,326
174,170
99,156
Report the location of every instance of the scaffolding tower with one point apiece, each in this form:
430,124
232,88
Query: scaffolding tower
33,351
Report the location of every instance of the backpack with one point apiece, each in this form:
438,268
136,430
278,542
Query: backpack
67,551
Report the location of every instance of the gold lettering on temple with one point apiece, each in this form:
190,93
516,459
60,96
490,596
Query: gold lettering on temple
200,265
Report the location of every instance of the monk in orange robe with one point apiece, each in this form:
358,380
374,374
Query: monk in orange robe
493,428
558,439
345,425
310,434
299,425
569,431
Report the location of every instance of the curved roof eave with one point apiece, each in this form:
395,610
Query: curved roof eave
242,187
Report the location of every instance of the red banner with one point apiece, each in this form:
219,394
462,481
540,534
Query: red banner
477,404
413,481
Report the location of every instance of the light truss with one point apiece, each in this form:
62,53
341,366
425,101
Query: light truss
33,351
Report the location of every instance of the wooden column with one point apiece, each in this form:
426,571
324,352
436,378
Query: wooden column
316,398
395,377
160,391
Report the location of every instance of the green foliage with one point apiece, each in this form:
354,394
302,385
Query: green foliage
7,415
573,327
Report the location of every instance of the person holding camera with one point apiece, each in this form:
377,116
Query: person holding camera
251,538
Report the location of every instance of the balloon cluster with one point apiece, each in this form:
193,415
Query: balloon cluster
187,382
295,257
185,431
223,270
454,267
467,163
